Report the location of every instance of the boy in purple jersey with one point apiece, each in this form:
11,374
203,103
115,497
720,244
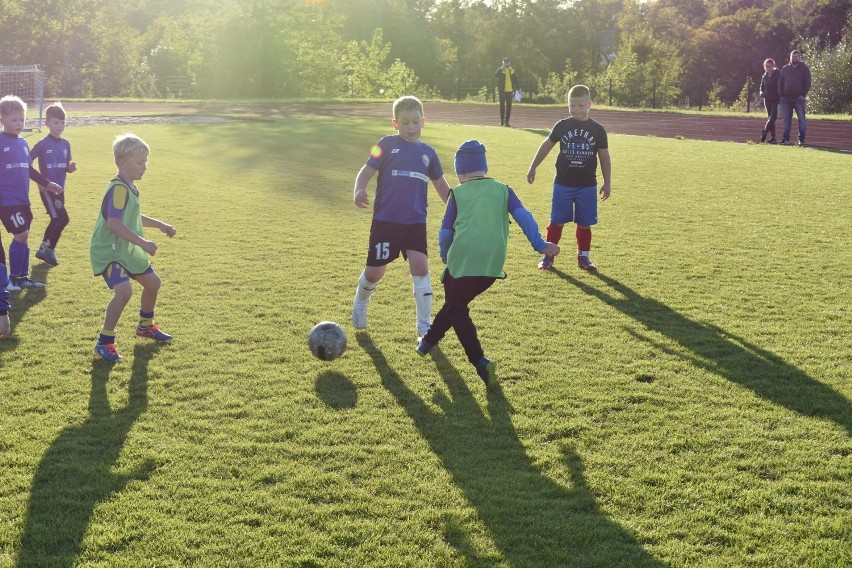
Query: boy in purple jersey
54,160
16,170
405,166
581,140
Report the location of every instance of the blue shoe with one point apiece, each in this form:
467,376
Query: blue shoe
585,263
423,348
546,263
153,332
107,352
487,371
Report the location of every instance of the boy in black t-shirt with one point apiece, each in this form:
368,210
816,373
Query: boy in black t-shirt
581,140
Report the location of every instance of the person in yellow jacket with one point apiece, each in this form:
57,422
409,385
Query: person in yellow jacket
473,240
507,84
119,251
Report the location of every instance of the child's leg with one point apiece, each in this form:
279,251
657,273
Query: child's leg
150,282
55,227
367,283
464,291
584,240
19,255
419,267
122,293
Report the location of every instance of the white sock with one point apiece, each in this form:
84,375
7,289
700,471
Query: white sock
423,301
365,289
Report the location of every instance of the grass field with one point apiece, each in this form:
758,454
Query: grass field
687,406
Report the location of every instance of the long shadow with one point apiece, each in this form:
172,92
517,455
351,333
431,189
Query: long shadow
76,472
725,354
532,520
22,301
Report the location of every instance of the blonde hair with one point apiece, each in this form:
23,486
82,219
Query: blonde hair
10,104
403,104
127,144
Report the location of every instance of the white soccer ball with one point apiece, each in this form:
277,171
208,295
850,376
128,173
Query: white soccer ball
327,340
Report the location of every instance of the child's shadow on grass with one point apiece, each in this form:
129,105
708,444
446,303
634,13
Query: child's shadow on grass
76,472
532,520
21,302
724,354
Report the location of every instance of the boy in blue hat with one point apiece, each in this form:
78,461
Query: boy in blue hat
473,241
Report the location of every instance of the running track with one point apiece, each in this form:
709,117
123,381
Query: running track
822,134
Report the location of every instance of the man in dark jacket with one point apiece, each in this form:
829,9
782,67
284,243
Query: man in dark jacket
793,86
769,93
507,84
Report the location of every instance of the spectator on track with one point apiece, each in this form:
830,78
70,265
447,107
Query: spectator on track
507,84
794,82
769,93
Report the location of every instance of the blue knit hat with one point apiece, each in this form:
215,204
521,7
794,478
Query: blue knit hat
470,157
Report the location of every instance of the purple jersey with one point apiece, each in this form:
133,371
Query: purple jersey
404,170
14,171
53,155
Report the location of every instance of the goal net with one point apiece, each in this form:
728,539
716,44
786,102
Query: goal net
26,82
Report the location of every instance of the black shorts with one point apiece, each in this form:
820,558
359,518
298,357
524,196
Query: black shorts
389,240
53,204
16,218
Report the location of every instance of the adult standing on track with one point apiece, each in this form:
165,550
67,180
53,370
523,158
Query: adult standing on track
769,93
507,84
793,86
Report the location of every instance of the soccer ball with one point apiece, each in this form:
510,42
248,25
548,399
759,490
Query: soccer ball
327,340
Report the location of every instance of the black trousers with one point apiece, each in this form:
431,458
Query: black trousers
455,313
505,105
772,113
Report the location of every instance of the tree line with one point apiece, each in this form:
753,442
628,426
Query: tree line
631,52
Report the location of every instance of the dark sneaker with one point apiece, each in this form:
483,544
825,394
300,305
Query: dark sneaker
546,263
785,143
25,282
153,332
586,263
487,371
423,348
773,141
107,352
47,254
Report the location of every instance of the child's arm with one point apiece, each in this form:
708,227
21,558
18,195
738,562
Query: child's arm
442,187
117,226
362,200
42,181
542,153
446,234
606,171
157,224
528,225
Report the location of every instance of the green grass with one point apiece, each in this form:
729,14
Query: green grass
688,406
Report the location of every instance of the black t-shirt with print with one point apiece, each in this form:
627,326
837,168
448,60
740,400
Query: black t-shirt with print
579,143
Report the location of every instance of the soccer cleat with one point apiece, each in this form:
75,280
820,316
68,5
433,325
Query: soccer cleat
546,263
359,315
12,287
586,263
487,371
25,282
153,332
423,348
47,254
107,352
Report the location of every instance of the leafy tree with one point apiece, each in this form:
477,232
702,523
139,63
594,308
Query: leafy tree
831,69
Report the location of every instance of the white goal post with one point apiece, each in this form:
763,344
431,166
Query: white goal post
26,82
